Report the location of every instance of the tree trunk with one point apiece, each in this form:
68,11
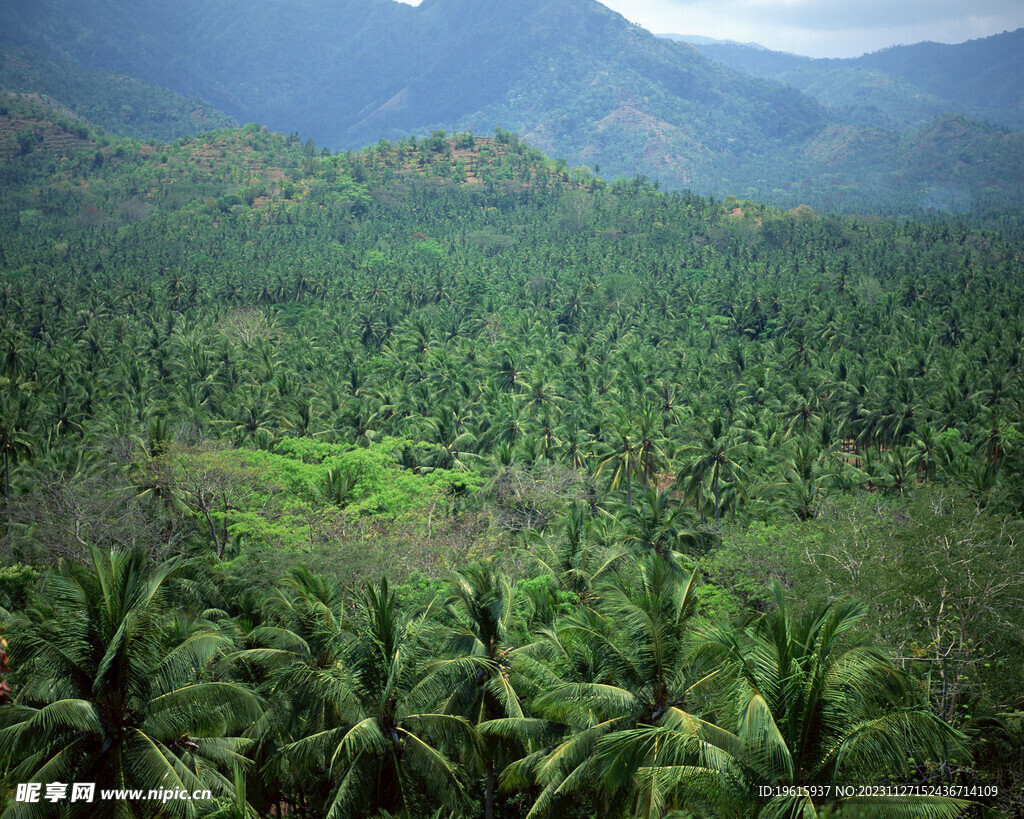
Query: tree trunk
718,525
489,799
7,497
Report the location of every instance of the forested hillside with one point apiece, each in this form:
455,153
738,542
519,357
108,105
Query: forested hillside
119,104
439,479
900,87
577,81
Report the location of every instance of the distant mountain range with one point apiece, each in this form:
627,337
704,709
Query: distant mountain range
698,40
898,87
577,81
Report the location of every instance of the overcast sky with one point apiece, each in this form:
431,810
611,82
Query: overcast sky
823,28
826,28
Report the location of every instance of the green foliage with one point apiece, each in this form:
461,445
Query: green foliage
389,754
827,133
303,494
804,704
541,601
418,591
17,586
118,104
959,631
601,432
115,690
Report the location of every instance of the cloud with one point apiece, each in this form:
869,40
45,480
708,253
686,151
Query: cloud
827,27
861,15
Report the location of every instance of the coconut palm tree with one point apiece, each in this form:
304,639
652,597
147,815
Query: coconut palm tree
303,632
623,458
118,692
650,445
808,475
388,753
656,524
481,610
598,672
716,458
803,706
14,440
573,557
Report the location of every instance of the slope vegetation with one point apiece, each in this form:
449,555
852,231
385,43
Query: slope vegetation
656,435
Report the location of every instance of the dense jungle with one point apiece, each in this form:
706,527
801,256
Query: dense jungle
443,479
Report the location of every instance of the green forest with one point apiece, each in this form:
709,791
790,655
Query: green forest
442,479
905,131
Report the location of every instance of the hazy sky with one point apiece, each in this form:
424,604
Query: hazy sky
824,28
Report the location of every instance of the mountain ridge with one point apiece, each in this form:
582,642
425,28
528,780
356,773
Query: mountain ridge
575,78
910,84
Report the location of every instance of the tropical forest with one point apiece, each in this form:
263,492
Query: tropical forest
442,478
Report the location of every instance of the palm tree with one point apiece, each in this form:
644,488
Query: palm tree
304,633
899,470
809,474
539,392
715,458
119,693
388,751
898,420
507,371
254,417
1000,438
670,406
14,441
601,671
650,445
800,354
803,706
927,452
455,444
358,421
623,456
546,428
481,612
655,525
573,443
573,557
803,407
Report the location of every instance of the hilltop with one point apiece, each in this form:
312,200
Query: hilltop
575,79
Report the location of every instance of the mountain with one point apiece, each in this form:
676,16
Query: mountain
119,104
572,77
902,86
698,40
980,77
